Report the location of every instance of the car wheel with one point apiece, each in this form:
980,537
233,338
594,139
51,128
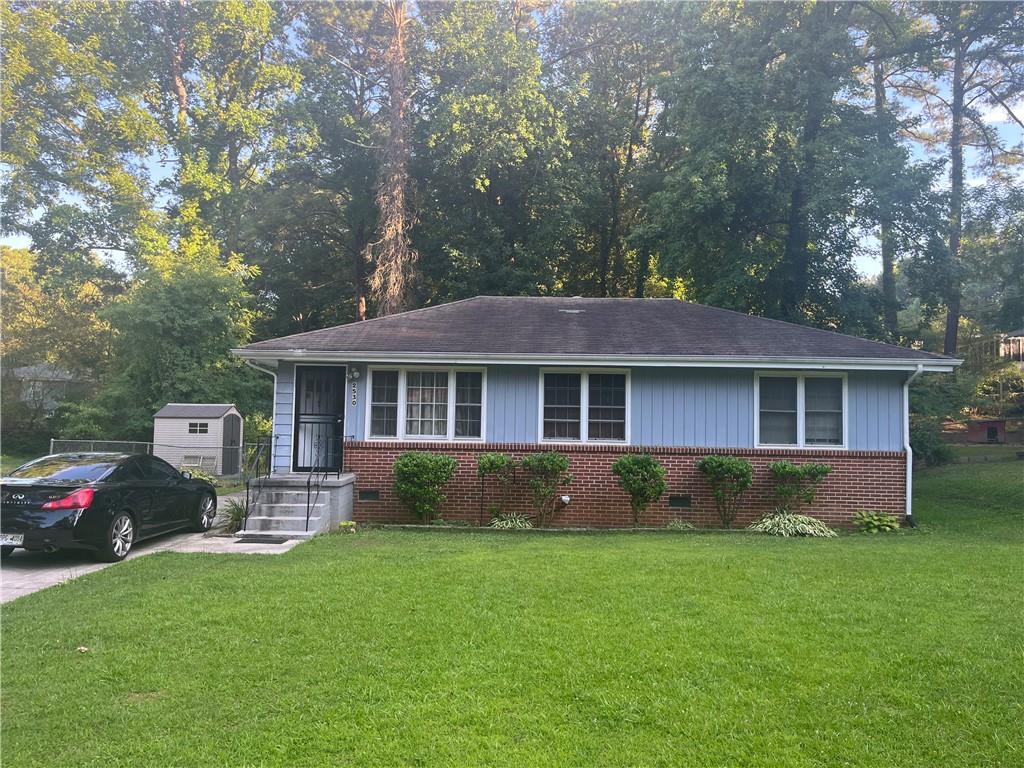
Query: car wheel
206,513
5,552
120,537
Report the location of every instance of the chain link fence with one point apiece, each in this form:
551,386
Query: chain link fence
210,459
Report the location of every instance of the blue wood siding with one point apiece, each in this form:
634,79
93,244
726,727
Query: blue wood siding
703,407
283,416
875,401
693,406
512,392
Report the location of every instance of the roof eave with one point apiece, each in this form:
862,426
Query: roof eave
692,361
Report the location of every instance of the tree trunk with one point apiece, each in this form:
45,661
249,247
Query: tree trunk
393,251
956,198
643,269
360,270
178,76
890,304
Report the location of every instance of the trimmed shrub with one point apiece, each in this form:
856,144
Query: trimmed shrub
875,522
502,467
729,478
547,471
796,484
420,477
511,521
347,526
643,478
788,524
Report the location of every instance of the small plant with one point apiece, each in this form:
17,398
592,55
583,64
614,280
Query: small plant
500,466
643,478
680,525
234,512
729,478
547,471
511,521
420,477
789,524
199,474
875,522
347,526
796,484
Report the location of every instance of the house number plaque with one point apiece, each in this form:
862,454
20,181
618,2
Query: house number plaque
353,393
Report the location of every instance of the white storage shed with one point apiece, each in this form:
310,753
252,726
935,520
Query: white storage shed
203,435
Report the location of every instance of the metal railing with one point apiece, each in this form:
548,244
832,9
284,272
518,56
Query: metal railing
328,455
257,470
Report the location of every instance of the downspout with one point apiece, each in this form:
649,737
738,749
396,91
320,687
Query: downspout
906,445
273,409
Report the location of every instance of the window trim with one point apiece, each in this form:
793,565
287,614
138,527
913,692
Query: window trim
801,410
584,406
202,427
401,436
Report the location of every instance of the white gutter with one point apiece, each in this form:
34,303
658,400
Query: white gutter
906,444
696,361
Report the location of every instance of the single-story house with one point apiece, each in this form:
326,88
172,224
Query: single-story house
594,379
207,436
44,386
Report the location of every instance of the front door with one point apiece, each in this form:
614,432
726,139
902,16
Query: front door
319,417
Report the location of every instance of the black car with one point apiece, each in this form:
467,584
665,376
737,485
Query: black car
103,502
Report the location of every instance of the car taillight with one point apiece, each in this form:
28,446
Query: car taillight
80,499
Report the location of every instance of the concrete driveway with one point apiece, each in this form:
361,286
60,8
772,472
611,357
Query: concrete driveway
26,572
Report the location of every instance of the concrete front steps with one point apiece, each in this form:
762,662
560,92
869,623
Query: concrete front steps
280,509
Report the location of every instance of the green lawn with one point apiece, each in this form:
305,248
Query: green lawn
9,461
438,648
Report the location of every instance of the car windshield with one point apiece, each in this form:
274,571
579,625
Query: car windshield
65,469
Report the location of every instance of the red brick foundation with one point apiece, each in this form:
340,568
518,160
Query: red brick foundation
873,480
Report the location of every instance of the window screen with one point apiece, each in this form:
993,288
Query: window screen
468,403
561,406
823,411
606,406
384,404
778,420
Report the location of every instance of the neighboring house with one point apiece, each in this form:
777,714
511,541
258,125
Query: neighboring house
1011,346
43,386
203,435
594,378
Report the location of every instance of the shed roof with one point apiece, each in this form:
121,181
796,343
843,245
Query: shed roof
193,410
504,326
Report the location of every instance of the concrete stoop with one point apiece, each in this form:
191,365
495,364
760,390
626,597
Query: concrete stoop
280,509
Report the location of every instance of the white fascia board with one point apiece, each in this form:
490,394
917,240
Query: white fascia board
636,361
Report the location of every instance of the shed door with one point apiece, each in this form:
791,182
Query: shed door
231,461
319,417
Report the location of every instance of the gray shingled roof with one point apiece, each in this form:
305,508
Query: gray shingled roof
193,410
511,325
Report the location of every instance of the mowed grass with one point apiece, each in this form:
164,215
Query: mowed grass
438,648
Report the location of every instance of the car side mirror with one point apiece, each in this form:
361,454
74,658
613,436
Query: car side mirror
186,474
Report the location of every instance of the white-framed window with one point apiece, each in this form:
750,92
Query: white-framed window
584,406
426,404
800,410
198,427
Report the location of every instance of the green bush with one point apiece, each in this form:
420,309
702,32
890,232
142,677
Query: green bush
200,474
420,477
511,521
875,522
643,478
234,511
347,526
789,524
796,484
729,478
547,471
926,441
502,467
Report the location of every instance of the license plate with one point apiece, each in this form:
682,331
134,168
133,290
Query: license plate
12,539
